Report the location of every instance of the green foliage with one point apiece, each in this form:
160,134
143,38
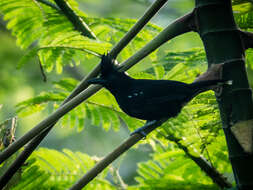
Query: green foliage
45,32
170,169
243,10
51,169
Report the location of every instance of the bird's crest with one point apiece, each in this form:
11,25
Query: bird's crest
107,65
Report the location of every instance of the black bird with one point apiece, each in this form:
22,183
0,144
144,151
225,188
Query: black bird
148,99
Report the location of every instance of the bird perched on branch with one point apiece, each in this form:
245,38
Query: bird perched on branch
148,99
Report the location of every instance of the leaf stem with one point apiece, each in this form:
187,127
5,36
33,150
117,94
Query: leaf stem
48,3
203,164
77,21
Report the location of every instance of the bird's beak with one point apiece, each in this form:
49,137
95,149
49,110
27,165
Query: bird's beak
97,81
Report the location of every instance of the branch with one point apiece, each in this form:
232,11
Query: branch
247,39
152,10
16,165
48,3
77,21
82,86
180,26
101,165
204,165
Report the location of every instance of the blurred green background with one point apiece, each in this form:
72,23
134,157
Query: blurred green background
19,84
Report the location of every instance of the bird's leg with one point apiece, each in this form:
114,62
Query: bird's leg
142,130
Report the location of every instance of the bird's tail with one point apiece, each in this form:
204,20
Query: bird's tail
202,86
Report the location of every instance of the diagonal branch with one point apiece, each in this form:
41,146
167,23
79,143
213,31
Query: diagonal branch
63,7
77,21
123,147
204,165
48,3
180,26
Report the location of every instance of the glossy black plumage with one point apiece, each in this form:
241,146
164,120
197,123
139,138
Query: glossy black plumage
148,99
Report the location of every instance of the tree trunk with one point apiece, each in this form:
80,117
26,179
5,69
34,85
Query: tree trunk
224,44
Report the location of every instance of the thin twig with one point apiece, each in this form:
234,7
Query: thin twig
44,76
101,165
200,136
117,179
178,27
205,166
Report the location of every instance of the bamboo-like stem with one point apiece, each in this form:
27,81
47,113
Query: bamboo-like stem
180,26
224,44
154,8
101,165
123,147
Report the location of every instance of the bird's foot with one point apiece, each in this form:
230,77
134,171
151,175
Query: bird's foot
142,130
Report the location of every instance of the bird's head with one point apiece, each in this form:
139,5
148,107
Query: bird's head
109,77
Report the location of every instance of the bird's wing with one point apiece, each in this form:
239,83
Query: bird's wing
162,91
180,98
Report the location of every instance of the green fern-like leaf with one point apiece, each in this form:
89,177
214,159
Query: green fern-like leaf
55,39
51,169
169,169
53,36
